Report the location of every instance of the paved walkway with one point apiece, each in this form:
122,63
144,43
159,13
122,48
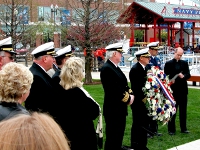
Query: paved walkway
194,145
96,75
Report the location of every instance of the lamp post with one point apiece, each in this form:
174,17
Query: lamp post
15,15
54,11
15,26
6,23
103,12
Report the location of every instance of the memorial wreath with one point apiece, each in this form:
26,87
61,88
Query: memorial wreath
159,100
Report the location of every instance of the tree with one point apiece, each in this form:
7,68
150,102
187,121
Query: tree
14,18
164,35
18,22
93,24
97,39
139,34
47,22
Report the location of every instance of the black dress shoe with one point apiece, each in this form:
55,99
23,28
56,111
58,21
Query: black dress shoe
186,131
171,133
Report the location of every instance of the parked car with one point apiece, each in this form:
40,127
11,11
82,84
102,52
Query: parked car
22,51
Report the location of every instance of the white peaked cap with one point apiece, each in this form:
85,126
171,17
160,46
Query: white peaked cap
44,49
143,52
6,45
6,41
67,51
115,47
154,45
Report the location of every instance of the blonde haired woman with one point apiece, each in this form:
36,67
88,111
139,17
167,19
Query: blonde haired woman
15,84
77,109
37,131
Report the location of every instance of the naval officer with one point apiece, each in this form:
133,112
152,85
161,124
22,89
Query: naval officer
61,57
117,97
42,94
137,76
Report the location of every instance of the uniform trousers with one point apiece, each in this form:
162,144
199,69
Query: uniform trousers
181,104
139,129
153,126
115,127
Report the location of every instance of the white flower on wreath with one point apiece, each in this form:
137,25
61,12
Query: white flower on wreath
147,86
157,103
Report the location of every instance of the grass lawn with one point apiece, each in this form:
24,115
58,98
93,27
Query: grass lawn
166,141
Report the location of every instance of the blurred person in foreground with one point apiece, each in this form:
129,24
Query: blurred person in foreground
179,86
154,61
15,84
61,57
42,93
77,109
37,131
138,77
117,97
6,52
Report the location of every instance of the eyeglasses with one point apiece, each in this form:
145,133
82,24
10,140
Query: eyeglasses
10,57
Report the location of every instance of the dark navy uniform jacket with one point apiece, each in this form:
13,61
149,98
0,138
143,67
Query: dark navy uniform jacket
155,62
42,93
115,89
138,77
56,77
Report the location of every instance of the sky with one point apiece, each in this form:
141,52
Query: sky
186,2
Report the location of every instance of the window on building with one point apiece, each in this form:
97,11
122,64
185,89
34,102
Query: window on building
77,14
93,14
106,16
40,13
113,15
21,12
109,16
23,15
45,14
5,13
65,18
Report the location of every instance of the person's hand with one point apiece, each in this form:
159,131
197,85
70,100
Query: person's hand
181,75
132,99
172,82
